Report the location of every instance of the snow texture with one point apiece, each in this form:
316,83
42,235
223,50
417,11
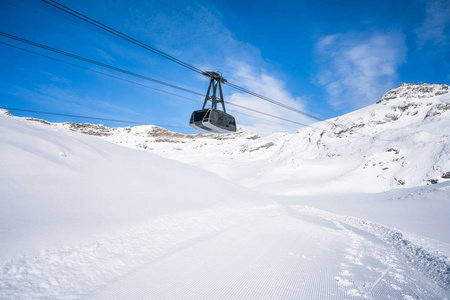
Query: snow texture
355,208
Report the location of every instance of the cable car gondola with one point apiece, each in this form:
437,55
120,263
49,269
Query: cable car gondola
213,120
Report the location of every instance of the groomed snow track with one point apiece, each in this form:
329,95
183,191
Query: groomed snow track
290,253
276,252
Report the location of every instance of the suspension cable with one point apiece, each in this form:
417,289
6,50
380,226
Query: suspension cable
162,91
121,35
168,56
272,101
147,78
87,117
94,62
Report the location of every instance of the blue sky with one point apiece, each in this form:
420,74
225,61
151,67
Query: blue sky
326,58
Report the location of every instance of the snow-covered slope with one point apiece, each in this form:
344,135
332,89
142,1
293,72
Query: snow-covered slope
75,186
82,218
77,211
401,141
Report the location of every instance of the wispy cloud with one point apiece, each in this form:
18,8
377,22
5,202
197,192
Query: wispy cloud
203,41
213,47
261,82
436,22
357,68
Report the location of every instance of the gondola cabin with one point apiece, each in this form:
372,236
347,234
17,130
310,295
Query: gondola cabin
213,120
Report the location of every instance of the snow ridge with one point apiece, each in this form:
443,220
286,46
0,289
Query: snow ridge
434,262
411,90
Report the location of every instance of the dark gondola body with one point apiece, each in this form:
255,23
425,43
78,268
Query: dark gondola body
213,120
196,120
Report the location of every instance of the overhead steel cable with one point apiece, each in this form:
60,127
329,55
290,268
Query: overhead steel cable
168,56
266,114
162,91
97,30
92,29
150,79
94,62
87,117
121,35
57,19
97,118
176,60
105,74
272,101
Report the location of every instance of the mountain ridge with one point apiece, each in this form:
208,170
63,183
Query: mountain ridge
400,141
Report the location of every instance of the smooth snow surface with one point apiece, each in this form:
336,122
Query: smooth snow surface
59,185
423,211
83,218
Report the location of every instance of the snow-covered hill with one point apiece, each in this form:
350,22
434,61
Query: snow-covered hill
71,201
401,141
83,218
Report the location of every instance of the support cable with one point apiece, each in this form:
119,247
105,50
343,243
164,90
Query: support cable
86,117
146,78
273,101
121,35
94,62
166,55
162,91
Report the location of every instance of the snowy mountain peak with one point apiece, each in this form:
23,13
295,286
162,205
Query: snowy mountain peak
412,90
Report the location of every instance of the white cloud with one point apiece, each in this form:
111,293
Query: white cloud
357,68
243,65
260,82
436,21
206,43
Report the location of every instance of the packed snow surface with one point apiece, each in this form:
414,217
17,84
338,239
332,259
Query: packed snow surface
286,216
